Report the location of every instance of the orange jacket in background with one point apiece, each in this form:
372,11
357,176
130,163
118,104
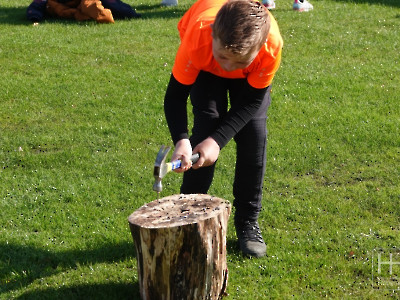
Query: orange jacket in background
80,10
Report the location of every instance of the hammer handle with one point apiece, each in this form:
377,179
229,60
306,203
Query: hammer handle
176,164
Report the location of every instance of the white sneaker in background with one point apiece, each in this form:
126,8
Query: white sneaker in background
302,6
270,4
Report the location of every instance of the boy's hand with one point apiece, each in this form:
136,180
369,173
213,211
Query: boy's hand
183,151
209,152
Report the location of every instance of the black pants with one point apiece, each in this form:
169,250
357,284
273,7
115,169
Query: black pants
209,96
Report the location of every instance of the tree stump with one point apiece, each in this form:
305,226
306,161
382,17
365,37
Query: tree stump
180,244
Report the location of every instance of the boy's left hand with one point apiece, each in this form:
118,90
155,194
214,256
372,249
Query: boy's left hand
209,152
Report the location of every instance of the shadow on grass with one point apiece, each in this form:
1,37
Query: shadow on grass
86,291
13,16
160,12
17,15
31,263
232,247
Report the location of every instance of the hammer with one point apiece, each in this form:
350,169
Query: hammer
161,168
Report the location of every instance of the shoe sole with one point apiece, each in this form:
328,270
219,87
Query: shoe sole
270,7
251,254
302,9
256,255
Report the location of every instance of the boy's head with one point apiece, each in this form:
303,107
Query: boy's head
240,29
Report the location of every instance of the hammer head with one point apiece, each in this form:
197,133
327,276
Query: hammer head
160,168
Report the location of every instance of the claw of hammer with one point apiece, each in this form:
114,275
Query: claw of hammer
161,168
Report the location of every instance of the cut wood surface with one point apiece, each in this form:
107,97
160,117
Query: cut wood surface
180,244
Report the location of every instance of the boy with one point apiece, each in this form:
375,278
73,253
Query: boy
227,46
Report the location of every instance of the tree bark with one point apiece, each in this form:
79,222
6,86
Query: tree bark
180,244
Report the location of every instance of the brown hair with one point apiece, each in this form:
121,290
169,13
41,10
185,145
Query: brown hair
242,26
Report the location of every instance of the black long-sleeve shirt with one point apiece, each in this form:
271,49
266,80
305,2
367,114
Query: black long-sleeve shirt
175,108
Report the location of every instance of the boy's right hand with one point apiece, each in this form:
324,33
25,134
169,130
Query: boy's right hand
183,152
209,152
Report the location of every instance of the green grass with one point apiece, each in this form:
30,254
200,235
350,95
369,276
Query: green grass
81,121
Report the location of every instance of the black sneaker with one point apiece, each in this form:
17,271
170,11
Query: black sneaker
250,239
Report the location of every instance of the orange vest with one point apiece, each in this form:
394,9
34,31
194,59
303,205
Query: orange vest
195,51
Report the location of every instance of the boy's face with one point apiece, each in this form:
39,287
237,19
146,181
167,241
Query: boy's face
229,61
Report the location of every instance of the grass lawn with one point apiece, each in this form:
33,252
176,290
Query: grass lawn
81,122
